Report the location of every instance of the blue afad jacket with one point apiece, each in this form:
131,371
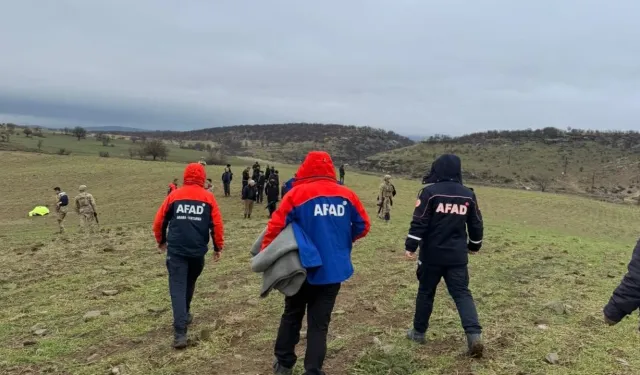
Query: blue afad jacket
444,213
327,215
626,297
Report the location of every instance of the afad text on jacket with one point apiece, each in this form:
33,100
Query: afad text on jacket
444,212
191,216
331,216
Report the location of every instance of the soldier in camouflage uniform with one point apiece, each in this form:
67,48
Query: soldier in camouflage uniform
384,198
86,208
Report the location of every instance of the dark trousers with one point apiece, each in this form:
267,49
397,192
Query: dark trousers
260,194
227,189
457,280
272,207
318,301
183,273
342,179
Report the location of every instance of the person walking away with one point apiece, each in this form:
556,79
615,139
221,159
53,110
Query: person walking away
261,182
272,173
226,181
341,173
86,209
626,297
202,162
267,173
256,175
173,186
333,218
385,196
271,190
447,225
185,221
249,196
245,178
62,201
208,186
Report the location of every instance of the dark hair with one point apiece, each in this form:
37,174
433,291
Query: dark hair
277,172
57,188
228,165
208,179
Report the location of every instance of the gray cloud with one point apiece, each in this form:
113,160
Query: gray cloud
414,66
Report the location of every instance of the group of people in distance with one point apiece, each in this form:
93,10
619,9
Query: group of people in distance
447,226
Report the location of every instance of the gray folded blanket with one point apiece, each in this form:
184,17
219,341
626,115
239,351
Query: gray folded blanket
279,264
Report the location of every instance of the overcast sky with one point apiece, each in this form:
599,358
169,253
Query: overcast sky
413,66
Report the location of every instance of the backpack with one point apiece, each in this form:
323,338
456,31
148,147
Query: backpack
64,199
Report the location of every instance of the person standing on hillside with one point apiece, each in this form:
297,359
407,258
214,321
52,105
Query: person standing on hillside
245,178
62,201
267,173
342,174
227,176
86,208
333,218
260,182
249,196
447,225
626,297
385,196
182,227
208,186
271,190
202,162
173,186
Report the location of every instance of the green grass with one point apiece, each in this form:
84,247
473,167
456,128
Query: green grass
538,248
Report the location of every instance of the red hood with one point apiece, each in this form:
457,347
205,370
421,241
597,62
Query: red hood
317,164
194,174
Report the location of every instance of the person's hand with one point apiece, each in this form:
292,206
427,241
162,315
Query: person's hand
162,248
217,255
609,321
409,255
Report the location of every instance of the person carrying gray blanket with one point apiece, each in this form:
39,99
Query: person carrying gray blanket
329,216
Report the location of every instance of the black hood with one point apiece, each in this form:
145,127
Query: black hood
446,168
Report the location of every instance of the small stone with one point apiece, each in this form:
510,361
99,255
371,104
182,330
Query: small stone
543,327
387,349
339,312
93,357
110,292
611,276
108,249
377,341
237,356
622,361
115,371
29,343
557,306
252,302
136,341
36,327
40,332
91,315
552,358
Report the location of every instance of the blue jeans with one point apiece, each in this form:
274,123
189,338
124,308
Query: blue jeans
457,280
183,273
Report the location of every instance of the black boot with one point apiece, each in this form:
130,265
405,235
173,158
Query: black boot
180,340
278,369
475,345
189,318
416,336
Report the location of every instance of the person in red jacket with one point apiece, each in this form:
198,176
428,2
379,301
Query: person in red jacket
182,227
173,186
333,218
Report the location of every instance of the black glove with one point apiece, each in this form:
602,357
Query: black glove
474,247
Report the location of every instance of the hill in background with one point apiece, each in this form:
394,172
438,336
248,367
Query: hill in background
291,142
601,164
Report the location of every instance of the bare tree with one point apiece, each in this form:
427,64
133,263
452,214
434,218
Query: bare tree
543,183
156,149
79,132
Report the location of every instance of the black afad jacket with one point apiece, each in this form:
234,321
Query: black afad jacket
626,297
445,212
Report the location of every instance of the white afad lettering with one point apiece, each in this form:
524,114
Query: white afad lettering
451,208
190,209
327,209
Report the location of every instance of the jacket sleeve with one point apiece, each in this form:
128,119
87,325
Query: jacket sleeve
360,222
217,226
626,297
92,201
244,192
161,221
420,221
475,226
279,220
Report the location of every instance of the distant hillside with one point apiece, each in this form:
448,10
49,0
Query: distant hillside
290,142
602,164
115,129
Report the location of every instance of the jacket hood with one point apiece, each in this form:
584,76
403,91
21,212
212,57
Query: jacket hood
194,174
317,165
447,167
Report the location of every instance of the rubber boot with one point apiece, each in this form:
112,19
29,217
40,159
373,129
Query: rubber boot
416,336
180,340
475,345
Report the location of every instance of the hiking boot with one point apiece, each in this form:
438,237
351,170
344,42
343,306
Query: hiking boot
245,216
189,318
475,345
279,369
416,336
180,340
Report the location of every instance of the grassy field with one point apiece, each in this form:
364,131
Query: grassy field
539,248
92,147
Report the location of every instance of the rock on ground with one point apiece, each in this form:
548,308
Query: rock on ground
552,358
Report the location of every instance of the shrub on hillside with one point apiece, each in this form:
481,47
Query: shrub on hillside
104,154
216,157
64,151
156,149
